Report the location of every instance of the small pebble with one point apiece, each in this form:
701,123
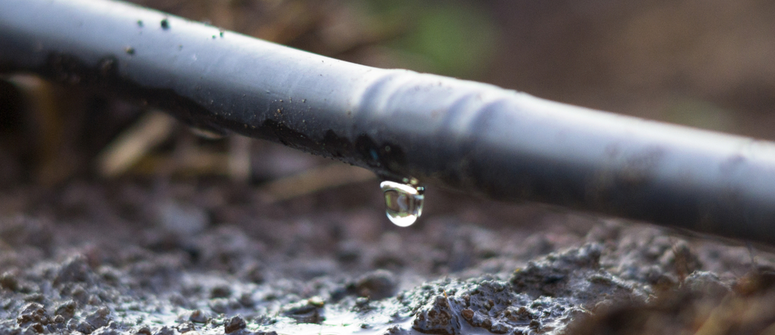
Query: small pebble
376,285
467,314
143,330
199,316
219,305
234,324
316,301
220,291
246,299
84,327
66,309
74,269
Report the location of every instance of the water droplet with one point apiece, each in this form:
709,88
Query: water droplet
403,202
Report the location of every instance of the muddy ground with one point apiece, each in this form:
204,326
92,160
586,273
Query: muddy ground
175,247
160,257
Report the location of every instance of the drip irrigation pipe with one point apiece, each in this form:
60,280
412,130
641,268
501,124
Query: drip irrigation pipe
464,135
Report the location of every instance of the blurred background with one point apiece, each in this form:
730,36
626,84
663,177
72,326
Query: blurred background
707,64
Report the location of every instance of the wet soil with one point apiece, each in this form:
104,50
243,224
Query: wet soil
208,256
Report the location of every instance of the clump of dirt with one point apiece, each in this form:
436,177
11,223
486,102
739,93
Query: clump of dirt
702,305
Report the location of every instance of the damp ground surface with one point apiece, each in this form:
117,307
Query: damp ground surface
213,257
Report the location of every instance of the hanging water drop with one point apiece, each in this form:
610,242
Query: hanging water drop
403,202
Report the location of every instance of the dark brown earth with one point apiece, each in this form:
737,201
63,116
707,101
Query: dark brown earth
213,257
173,247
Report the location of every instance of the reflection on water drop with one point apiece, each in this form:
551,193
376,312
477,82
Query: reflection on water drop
207,133
403,202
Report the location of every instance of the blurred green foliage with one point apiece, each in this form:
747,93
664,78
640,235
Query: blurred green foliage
453,38
699,113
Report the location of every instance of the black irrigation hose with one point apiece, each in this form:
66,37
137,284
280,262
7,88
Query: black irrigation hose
465,135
